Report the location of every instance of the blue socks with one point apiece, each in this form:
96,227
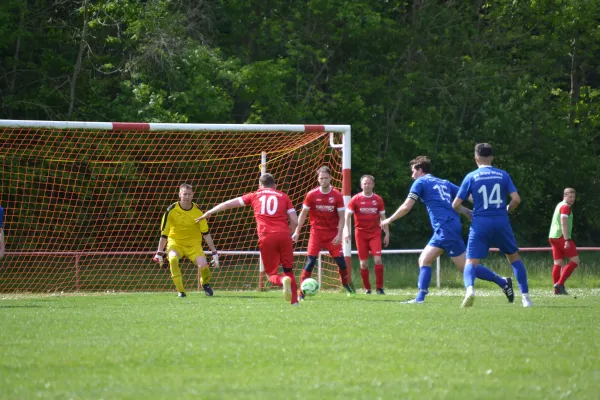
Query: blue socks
469,275
424,281
483,273
521,275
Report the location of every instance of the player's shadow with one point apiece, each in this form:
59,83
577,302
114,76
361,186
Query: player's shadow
20,306
380,300
238,296
344,298
558,306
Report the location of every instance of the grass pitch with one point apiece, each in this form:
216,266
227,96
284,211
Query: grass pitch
250,345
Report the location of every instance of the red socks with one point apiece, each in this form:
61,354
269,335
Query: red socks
556,273
305,274
379,276
276,280
566,272
364,274
294,286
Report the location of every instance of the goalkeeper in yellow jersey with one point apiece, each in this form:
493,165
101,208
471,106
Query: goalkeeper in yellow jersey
181,236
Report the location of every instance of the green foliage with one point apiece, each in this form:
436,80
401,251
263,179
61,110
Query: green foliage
411,78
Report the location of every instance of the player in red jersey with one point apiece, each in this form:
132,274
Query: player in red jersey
326,206
561,240
272,211
369,210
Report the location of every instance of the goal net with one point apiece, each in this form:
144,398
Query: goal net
83,201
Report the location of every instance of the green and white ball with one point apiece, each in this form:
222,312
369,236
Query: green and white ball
310,287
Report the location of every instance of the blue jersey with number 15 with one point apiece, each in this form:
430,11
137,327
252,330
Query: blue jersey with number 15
489,187
437,194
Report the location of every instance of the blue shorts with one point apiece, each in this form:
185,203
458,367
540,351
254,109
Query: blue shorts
491,232
449,238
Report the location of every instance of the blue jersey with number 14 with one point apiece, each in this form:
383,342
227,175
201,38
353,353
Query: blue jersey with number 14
489,187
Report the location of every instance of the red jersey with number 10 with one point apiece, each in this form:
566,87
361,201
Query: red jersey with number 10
367,212
324,208
271,208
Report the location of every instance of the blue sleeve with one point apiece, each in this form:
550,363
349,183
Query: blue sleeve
416,188
465,188
453,189
510,186
1,217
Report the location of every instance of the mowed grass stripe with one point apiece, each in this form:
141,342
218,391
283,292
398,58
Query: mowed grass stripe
252,345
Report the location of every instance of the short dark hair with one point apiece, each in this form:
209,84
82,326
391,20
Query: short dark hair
267,180
423,163
367,176
484,150
324,169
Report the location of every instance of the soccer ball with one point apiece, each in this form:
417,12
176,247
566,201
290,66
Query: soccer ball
310,287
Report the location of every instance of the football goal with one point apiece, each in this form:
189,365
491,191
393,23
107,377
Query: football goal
84,200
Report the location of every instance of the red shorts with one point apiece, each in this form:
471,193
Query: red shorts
276,249
367,243
558,249
323,240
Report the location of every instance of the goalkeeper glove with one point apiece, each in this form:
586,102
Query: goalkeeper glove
159,257
215,260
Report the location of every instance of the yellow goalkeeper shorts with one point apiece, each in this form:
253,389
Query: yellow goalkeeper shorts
191,252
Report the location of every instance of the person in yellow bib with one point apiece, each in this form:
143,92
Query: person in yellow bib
181,236
562,243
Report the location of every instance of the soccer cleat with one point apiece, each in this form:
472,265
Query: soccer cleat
367,291
508,290
300,295
526,300
412,301
296,304
561,289
181,294
556,291
380,291
349,291
287,288
469,297
207,289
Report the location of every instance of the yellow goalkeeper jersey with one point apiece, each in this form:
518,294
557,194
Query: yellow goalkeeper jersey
179,225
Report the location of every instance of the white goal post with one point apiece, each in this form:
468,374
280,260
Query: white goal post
77,192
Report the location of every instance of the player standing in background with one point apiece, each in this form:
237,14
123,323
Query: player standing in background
369,210
489,188
272,210
2,246
562,242
437,195
182,237
326,206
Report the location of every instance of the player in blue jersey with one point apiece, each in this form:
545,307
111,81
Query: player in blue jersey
489,188
437,194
